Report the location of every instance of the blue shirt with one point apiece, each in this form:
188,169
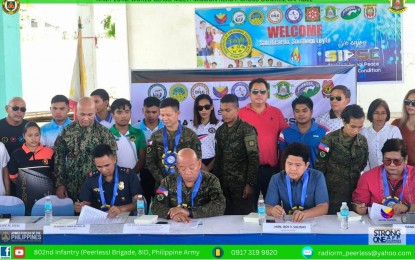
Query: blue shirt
147,132
311,138
50,131
316,191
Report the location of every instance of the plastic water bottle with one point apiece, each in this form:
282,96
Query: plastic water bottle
140,206
48,210
344,216
261,210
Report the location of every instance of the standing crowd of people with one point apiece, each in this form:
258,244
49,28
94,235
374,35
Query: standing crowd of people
213,167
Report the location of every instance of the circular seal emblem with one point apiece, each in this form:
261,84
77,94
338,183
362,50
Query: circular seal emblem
212,130
283,90
293,14
256,17
241,90
158,91
239,17
11,6
236,44
328,85
179,92
5,236
198,89
275,15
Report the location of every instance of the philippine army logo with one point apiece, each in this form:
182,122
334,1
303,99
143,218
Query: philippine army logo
236,44
158,91
275,15
11,6
179,92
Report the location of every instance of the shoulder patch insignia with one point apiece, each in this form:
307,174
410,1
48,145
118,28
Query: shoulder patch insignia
160,197
251,143
148,149
322,154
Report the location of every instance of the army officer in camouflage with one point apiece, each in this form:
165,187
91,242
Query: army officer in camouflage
165,142
237,158
342,157
192,193
110,187
74,146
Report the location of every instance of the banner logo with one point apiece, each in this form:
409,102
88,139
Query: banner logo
220,91
330,13
198,89
179,92
241,90
351,12
221,18
387,235
236,44
283,90
4,252
293,14
11,6
328,86
370,11
387,213
275,15
312,14
397,6
239,17
158,91
19,252
256,17
307,89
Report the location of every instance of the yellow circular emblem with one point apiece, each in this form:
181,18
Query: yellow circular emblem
11,6
179,92
132,138
236,44
256,17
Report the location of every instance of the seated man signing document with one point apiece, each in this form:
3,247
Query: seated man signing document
109,188
192,193
298,190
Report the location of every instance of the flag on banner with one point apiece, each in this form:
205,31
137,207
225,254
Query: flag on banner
78,82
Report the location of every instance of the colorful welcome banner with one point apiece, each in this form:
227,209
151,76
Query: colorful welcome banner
368,36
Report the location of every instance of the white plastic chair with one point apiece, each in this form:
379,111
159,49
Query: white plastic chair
60,207
12,205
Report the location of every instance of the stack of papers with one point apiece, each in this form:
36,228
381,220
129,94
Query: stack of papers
64,222
146,219
251,218
353,216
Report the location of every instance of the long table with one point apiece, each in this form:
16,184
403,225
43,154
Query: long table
215,230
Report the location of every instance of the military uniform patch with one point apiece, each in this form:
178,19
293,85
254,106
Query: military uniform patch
322,154
251,143
160,197
148,150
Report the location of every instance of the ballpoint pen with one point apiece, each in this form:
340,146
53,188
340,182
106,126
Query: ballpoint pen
37,220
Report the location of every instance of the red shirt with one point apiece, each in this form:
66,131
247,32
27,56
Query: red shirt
268,124
370,187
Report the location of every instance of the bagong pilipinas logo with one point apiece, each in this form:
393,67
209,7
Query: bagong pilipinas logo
370,11
220,91
221,18
312,14
283,90
351,12
241,90
158,91
179,92
293,14
330,13
307,89
275,15
387,213
256,17
236,44
239,17
198,89
11,6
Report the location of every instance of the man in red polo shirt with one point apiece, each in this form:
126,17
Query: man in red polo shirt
269,122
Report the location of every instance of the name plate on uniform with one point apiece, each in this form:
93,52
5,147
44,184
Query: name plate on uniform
286,227
410,228
66,229
13,226
146,229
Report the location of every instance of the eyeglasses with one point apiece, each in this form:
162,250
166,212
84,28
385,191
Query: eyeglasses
256,91
15,108
397,162
338,98
206,107
409,102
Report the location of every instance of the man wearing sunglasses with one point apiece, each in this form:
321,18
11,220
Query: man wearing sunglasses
11,127
391,184
339,99
269,122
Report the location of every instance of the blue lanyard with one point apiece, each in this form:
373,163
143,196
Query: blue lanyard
303,190
194,192
101,190
385,182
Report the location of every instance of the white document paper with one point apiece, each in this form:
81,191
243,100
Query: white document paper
376,216
67,229
64,222
146,229
90,215
194,223
4,220
410,228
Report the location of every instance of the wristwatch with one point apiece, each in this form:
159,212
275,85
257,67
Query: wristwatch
408,205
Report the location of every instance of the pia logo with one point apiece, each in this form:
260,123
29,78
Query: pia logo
387,213
307,252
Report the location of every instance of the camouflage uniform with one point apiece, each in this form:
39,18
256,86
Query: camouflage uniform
155,151
209,200
236,164
73,154
341,159
128,187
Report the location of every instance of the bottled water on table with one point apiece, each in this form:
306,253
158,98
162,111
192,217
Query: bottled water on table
48,210
140,206
344,216
261,210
